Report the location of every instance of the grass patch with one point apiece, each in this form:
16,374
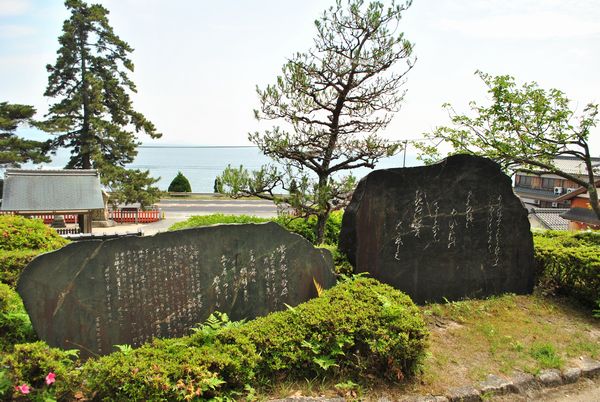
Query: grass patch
501,335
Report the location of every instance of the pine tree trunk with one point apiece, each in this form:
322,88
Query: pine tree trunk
320,229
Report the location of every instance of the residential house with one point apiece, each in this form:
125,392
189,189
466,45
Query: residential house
547,190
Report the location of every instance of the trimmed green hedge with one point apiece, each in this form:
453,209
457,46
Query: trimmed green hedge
21,239
18,233
12,263
569,263
15,325
357,329
303,226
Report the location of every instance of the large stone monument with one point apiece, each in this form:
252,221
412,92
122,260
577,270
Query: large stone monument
450,230
92,295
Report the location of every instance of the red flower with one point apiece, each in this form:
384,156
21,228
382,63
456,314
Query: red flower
50,378
24,389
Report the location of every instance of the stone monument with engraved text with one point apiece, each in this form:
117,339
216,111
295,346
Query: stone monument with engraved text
446,231
92,295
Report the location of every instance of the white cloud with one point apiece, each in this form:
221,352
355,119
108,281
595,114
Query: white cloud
13,7
524,26
15,31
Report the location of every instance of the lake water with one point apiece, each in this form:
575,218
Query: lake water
202,164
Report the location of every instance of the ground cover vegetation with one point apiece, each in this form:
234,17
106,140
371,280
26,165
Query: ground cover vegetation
523,128
93,114
329,103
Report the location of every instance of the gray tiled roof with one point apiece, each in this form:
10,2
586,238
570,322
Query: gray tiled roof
575,166
550,217
537,193
51,190
582,215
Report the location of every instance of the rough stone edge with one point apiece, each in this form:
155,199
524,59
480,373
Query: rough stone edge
495,385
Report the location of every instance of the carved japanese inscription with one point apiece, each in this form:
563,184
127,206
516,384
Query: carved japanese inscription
93,295
450,230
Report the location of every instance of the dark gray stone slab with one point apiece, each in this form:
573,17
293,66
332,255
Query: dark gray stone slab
450,230
92,295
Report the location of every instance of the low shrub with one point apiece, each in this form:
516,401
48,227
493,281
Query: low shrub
360,328
569,263
15,325
30,364
340,261
215,219
357,329
12,263
19,233
302,226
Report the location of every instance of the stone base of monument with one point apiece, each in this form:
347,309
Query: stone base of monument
92,295
446,231
103,223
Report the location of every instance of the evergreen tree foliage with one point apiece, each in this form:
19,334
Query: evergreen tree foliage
93,114
15,150
331,102
524,127
180,184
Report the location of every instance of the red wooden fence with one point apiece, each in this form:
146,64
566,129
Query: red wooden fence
134,216
47,218
117,216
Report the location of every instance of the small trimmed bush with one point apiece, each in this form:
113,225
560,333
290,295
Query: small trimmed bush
215,219
18,233
569,263
180,184
21,239
305,227
30,363
15,325
356,329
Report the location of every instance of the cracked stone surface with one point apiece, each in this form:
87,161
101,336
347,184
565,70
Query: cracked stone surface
524,382
589,367
496,385
571,375
464,394
446,231
91,295
550,378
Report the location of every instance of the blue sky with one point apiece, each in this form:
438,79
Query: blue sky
198,62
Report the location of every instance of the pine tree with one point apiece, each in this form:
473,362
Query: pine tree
331,102
93,114
15,150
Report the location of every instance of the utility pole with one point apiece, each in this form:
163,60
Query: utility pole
404,159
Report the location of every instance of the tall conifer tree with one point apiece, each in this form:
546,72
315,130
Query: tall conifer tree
93,114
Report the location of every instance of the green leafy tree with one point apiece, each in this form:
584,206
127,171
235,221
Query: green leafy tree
331,102
524,127
180,184
15,150
93,114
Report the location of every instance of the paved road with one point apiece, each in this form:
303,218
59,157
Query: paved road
225,206
179,210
